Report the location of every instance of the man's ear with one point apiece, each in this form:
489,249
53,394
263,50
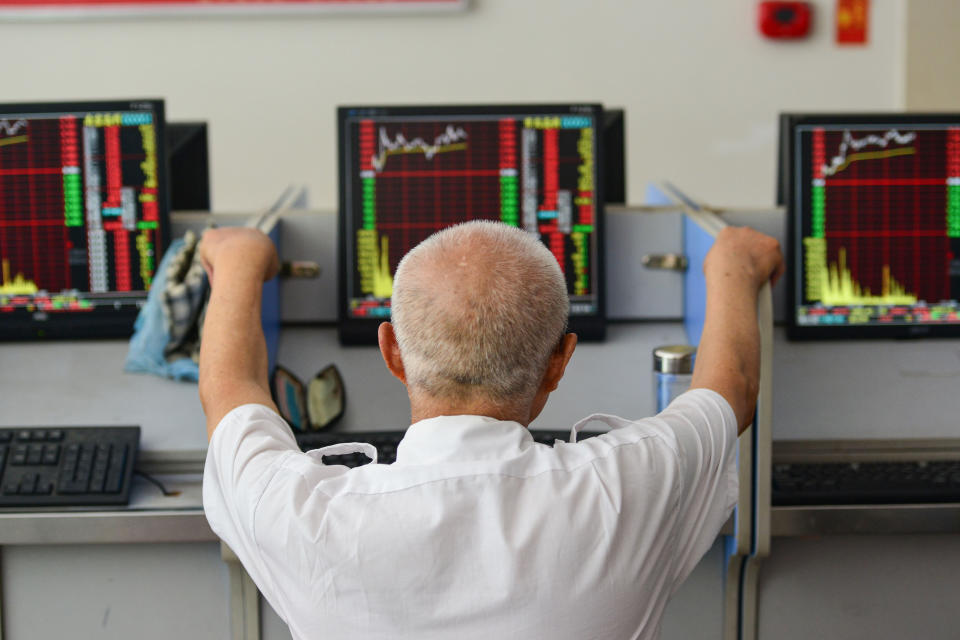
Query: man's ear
390,351
558,362
551,377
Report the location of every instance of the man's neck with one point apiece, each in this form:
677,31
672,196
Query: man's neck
423,408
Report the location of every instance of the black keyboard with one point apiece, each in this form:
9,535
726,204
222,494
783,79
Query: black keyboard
866,483
66,466
386,443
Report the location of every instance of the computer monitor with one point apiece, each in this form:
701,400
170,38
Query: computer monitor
614,156
83,216
874,226
406,172
188,160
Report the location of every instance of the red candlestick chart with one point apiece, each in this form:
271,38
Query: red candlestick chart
79,215
412,177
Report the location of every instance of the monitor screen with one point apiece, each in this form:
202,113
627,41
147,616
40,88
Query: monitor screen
406,172
83,216
874,226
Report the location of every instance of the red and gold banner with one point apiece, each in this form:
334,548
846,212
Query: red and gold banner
852,19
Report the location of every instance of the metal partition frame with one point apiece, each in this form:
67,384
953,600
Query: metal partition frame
750,541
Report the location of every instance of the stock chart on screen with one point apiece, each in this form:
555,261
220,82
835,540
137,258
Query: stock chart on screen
407,172
875,221
82,215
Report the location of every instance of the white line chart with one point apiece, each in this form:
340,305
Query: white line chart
840,161
387,146
12,128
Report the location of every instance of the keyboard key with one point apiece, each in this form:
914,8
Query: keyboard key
19,456
72,488
51,454
97,481
114,482
35,454
102,459
119,461
28,483
86,453
6,435
55,435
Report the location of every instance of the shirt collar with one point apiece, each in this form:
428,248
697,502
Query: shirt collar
461,438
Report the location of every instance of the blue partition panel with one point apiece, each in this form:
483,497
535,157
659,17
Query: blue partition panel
655,196
270,310
696,244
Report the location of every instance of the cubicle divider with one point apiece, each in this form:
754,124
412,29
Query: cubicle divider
270,306
750,541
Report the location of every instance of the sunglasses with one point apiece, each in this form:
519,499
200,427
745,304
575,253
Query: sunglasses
312,406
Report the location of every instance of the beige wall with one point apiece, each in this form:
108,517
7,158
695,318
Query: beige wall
701,87
933,55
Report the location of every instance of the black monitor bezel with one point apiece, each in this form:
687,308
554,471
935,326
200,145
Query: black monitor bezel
188,163
107,323
363,331
783,168
796,331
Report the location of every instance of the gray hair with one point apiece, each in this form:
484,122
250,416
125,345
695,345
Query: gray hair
485,325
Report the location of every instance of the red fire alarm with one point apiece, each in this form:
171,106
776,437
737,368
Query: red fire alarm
784,20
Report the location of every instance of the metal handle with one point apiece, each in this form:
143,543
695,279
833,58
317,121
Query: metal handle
299,269
668,261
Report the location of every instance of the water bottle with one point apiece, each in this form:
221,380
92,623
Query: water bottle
672,372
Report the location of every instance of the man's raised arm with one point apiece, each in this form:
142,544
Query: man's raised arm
728,357
233,351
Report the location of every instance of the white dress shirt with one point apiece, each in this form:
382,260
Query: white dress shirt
477,532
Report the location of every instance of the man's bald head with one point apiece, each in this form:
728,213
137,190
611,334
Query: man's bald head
477,310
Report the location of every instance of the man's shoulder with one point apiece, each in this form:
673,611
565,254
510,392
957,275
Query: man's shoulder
247,423
700,406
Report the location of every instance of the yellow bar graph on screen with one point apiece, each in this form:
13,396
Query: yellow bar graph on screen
373,261
834,285
18,285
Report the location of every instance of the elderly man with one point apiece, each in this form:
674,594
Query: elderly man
476,532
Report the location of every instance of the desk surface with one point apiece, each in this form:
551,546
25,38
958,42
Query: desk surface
82,383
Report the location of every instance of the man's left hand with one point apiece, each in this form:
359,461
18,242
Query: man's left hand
240,245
